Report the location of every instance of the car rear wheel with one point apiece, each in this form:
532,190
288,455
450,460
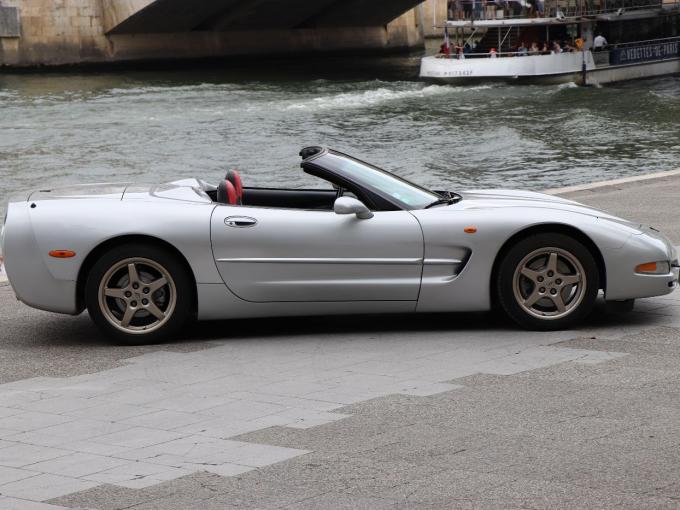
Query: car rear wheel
548,282
139,293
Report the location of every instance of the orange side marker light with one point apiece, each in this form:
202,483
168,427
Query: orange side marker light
62,254
649,267
470,230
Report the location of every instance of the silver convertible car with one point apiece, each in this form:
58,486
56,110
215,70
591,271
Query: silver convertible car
144,259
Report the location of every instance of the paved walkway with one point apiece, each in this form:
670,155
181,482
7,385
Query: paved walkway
451,411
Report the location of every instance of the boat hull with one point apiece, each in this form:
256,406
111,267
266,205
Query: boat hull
577,67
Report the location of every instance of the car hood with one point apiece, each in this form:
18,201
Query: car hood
503,198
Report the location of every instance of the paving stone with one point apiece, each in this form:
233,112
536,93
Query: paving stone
76,465
138,437
7,503
43,487
30,420
24,454
135,475
8,474
163,420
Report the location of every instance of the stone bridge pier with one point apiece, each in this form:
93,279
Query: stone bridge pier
54,32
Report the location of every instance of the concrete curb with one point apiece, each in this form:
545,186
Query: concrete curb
613,182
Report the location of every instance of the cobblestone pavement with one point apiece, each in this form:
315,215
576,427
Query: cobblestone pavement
435,411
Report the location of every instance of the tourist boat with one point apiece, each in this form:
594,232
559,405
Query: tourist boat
643,40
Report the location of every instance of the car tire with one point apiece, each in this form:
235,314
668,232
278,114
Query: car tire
139,294
548,282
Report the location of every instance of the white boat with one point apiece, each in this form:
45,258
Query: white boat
641,41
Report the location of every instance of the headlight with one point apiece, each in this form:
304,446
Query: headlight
663,267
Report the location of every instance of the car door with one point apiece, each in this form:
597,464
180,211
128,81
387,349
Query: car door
270,254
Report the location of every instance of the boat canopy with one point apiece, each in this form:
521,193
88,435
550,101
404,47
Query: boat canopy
519,13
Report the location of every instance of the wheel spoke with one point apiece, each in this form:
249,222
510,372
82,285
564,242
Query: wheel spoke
132,272
155,311
127,317
115,293
552,262
570,279
530,273
531,300
559,302
157,284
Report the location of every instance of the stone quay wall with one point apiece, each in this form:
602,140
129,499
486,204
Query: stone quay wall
63,32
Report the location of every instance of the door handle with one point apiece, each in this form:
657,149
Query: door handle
240,221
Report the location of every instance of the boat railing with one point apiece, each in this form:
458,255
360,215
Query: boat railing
601,57
495,10
504,54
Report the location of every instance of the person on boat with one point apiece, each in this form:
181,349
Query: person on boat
460,52
477,9
534,50
556,49
546,49
489,9
531,8
467,9
540,8
517,9
458,9
522,50
579,43
492,53
599,43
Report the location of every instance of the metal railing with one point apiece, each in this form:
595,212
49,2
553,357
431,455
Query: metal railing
529,53
479,10
503,54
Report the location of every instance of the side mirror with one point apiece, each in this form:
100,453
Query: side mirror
349,205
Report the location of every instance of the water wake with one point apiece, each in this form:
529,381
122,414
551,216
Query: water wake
368,98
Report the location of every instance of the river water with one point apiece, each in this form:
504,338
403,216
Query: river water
157,124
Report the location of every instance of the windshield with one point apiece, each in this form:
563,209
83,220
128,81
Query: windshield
402,192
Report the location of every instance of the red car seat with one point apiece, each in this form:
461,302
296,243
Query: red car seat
226,193
235,178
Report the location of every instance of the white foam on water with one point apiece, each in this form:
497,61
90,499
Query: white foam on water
562,86
123,91
368,98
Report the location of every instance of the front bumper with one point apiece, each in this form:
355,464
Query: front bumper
648,246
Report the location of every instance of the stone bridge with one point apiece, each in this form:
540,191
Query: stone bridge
53,32
144,16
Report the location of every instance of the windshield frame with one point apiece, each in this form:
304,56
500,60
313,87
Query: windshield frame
321,161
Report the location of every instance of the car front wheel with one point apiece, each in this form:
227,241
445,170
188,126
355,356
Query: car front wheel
138,294
548,282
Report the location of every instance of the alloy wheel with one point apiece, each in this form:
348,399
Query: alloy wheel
549,283
137,295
